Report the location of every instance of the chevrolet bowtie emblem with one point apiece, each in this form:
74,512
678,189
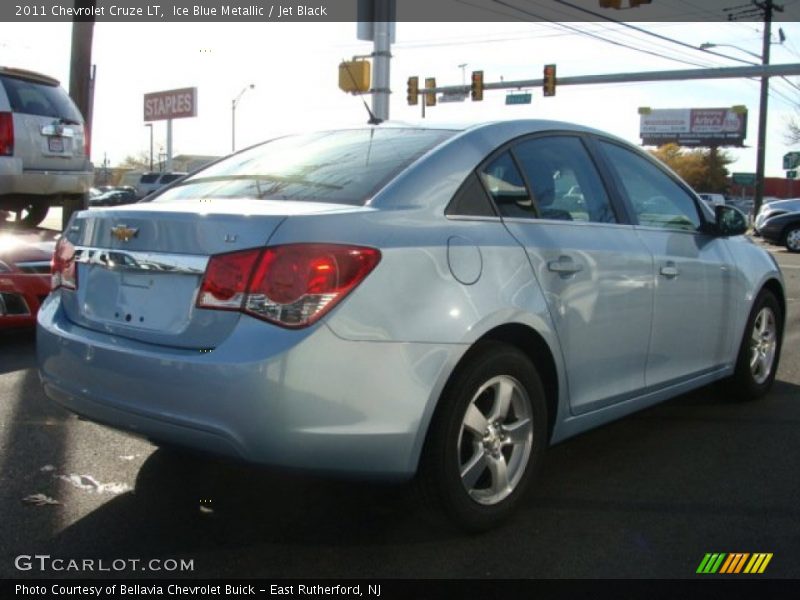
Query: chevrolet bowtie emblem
124,233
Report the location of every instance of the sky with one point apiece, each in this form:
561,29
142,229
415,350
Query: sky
294,68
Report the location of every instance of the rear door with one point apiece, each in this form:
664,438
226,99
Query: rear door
48,128
594,270
694,274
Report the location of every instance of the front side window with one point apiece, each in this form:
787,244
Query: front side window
343,167
657,200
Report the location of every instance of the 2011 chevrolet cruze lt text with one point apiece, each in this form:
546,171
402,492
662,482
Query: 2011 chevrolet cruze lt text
395,301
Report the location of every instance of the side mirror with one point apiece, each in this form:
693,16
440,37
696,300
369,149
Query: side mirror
729,220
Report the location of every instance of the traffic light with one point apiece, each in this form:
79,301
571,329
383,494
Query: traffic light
477,86
430,97
413,91
354,76
611,4
549,80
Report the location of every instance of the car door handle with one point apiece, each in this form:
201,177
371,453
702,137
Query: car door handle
669,270
564,265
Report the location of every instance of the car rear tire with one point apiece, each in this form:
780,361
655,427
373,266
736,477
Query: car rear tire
487,438
28,216
759,353
791,239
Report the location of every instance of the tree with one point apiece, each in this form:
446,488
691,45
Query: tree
138,162
703,169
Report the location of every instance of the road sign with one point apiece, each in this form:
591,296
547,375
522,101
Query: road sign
453,97
744,178
791,160
524,98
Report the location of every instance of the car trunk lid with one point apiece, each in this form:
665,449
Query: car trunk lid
140,266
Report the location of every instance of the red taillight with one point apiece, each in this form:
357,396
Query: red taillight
292,285
63,269
6,134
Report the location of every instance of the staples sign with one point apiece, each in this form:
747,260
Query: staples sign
171,104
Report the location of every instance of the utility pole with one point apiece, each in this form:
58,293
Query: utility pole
80,89
767,7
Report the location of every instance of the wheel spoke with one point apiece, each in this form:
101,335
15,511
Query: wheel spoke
503,391
519,432
499,470
471,472
474,420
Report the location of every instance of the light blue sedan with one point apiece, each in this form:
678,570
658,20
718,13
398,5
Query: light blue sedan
400,301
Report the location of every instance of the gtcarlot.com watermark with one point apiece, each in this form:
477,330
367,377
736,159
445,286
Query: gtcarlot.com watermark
45,563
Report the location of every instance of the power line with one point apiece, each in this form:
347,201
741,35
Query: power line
601,38
646,32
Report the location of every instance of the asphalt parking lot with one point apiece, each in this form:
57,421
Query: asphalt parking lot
646,497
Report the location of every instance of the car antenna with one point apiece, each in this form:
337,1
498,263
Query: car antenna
373,120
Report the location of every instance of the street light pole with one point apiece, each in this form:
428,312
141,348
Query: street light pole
150,125
234,102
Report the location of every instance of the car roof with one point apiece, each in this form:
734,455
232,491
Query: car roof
28,75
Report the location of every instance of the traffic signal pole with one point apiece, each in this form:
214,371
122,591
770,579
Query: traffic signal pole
765,71
382,59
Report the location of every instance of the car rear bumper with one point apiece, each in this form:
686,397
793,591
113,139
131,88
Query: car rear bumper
16,181
296,399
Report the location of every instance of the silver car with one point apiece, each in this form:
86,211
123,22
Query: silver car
773,209
43,149
397,301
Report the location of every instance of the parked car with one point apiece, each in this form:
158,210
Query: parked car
24,275
114,197
150,182
773,209
43,151
395,301
783,230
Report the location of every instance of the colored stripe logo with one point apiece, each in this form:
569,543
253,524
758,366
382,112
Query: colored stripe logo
734,563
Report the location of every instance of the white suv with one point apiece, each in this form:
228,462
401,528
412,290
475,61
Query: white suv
43,151
155,180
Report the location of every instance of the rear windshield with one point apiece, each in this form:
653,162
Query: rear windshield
32,98
343,167
149,177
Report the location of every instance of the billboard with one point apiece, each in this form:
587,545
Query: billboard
170,104
693,126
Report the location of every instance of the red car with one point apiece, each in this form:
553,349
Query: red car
24,274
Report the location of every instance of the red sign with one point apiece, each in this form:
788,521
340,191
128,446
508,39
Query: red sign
170,104
694,126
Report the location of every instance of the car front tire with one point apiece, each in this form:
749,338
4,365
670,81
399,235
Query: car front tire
759,352
487,438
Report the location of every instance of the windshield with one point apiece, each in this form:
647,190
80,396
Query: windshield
344,167
39,99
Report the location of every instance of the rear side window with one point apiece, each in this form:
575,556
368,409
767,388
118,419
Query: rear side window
149,178
170,178
505,185
344,167
563,179
33,98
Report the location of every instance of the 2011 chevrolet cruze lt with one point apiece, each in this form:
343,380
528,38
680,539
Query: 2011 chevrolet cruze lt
397,300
